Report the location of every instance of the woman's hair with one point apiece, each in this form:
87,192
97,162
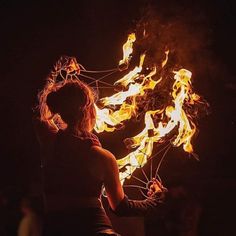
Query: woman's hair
73,100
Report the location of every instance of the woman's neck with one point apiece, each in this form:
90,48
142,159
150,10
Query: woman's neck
73,130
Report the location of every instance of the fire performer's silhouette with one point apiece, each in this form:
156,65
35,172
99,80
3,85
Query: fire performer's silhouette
76,167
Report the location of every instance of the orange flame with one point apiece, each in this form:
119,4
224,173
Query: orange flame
128,49
122,106
135,84
166,58
107,118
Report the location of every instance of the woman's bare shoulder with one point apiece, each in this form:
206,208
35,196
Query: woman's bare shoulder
103,154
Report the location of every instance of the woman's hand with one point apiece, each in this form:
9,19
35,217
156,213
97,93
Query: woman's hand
155,187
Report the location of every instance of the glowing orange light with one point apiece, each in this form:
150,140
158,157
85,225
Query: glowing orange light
114,110
135,83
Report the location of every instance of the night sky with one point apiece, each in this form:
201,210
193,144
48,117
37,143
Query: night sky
35,35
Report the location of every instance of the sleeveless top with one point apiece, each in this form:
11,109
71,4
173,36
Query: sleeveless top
72,190
67,172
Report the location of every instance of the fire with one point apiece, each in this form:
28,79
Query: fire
134,84
108,118
128,49
173,119
166,58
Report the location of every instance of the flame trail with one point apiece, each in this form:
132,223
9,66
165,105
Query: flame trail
136,85
128,49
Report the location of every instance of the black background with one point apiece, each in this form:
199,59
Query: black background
34,35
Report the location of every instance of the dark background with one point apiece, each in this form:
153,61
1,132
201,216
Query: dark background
35,35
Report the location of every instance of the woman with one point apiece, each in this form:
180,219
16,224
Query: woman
76,167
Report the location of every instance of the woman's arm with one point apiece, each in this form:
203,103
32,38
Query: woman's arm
119,202
112,183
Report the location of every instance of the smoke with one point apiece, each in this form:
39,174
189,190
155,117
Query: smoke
185,32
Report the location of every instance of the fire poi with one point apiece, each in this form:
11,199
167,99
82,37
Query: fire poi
136,94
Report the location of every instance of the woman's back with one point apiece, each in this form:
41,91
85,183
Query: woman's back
73,185
71,170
